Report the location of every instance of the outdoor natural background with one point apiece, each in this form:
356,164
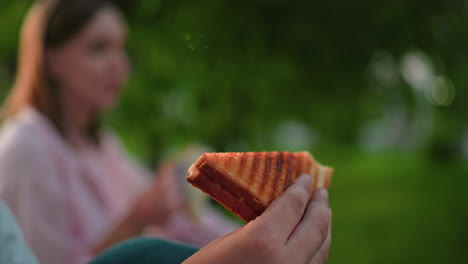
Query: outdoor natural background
376,89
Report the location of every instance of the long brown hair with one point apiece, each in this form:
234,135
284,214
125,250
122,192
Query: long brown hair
48,24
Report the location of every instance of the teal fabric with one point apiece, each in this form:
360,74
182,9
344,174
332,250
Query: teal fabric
13,248
146,250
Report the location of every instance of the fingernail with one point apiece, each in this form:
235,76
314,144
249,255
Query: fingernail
321,194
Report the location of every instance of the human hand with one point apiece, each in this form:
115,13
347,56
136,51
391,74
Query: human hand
162,199
292,230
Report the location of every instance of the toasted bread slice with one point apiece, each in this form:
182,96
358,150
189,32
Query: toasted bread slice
246,183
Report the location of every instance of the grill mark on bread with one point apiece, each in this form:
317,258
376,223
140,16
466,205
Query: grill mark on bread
285,173
254,168
242,165
291,164
279,166
265,174
279,162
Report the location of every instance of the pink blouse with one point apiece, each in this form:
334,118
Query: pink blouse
66,199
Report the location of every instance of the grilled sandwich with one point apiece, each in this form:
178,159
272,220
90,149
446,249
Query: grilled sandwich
246,183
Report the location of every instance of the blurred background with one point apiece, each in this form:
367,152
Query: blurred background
376,89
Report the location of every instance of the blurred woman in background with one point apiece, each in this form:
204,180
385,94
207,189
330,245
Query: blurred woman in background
72,188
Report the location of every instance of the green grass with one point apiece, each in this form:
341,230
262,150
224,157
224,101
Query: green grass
396,208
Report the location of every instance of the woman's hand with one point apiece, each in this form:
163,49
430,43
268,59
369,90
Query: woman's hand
153,207
291,230
161,200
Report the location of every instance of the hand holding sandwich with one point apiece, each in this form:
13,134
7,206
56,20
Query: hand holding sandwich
291,230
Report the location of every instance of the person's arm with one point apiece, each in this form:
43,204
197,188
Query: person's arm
153,207
155,197
32,186
291,230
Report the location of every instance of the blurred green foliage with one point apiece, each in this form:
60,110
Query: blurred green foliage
375,88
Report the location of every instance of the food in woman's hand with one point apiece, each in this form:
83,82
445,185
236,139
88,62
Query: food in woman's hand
246,183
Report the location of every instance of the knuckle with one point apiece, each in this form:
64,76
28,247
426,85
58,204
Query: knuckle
322,226
297,202
263,244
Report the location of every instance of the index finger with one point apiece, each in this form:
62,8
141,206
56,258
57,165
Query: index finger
284,213
312,231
